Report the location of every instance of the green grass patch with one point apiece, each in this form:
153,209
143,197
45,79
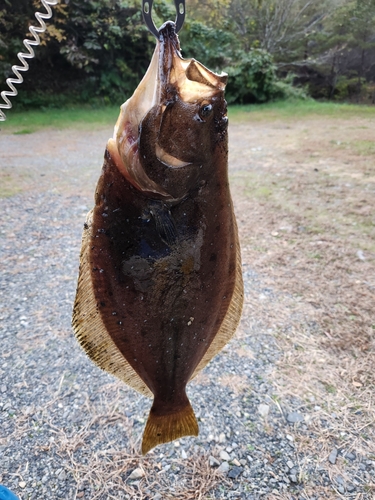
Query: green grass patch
8,186
299,109
24,131
365,148
27,122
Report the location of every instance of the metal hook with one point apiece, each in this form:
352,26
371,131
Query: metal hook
147,11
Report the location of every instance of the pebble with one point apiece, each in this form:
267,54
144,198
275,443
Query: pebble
224,456
333,456
222,438
294,417
62,475
235,472
290,464
136,474
213,461
183,454
224,468
22,484
263,410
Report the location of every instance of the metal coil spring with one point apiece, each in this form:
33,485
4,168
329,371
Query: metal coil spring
22,56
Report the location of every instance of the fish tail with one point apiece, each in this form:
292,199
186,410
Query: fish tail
165,428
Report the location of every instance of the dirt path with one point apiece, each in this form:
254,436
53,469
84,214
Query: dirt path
287,410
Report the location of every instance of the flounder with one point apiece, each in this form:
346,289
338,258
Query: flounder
160,287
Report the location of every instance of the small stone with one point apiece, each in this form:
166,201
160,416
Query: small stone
236,462
224,456
294,417
350,456
360,255
62,476
235,472
136,474
293,478
290,438
157,496
3,388
22,484
224,468
333,456
341,489
213,462
183,454
350,488
263,410
290,464
222,438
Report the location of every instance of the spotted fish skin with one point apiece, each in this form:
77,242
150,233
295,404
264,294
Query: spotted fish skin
160,286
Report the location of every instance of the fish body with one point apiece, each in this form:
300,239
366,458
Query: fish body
160,286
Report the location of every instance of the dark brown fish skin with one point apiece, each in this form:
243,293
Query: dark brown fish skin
163,269
149,280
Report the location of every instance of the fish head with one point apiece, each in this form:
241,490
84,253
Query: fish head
168,131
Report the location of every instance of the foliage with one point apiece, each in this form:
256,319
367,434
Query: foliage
254,80
96,51
212,46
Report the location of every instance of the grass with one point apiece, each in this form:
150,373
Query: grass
85,117
299,109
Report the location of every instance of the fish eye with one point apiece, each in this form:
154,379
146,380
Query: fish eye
205,110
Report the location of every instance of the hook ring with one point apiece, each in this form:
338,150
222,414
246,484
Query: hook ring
147,15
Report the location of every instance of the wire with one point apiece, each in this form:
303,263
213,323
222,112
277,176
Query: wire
22,56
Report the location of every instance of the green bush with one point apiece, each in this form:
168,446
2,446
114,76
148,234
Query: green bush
253,79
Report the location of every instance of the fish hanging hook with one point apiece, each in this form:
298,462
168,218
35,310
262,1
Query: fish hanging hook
147,15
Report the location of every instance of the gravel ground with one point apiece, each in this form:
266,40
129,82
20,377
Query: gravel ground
68,430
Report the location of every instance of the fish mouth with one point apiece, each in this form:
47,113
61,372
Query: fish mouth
169,77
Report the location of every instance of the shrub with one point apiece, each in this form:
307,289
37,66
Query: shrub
253,79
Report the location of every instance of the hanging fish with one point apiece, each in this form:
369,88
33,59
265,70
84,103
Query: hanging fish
160,286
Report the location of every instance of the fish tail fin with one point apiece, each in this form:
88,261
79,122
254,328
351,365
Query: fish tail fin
165,428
